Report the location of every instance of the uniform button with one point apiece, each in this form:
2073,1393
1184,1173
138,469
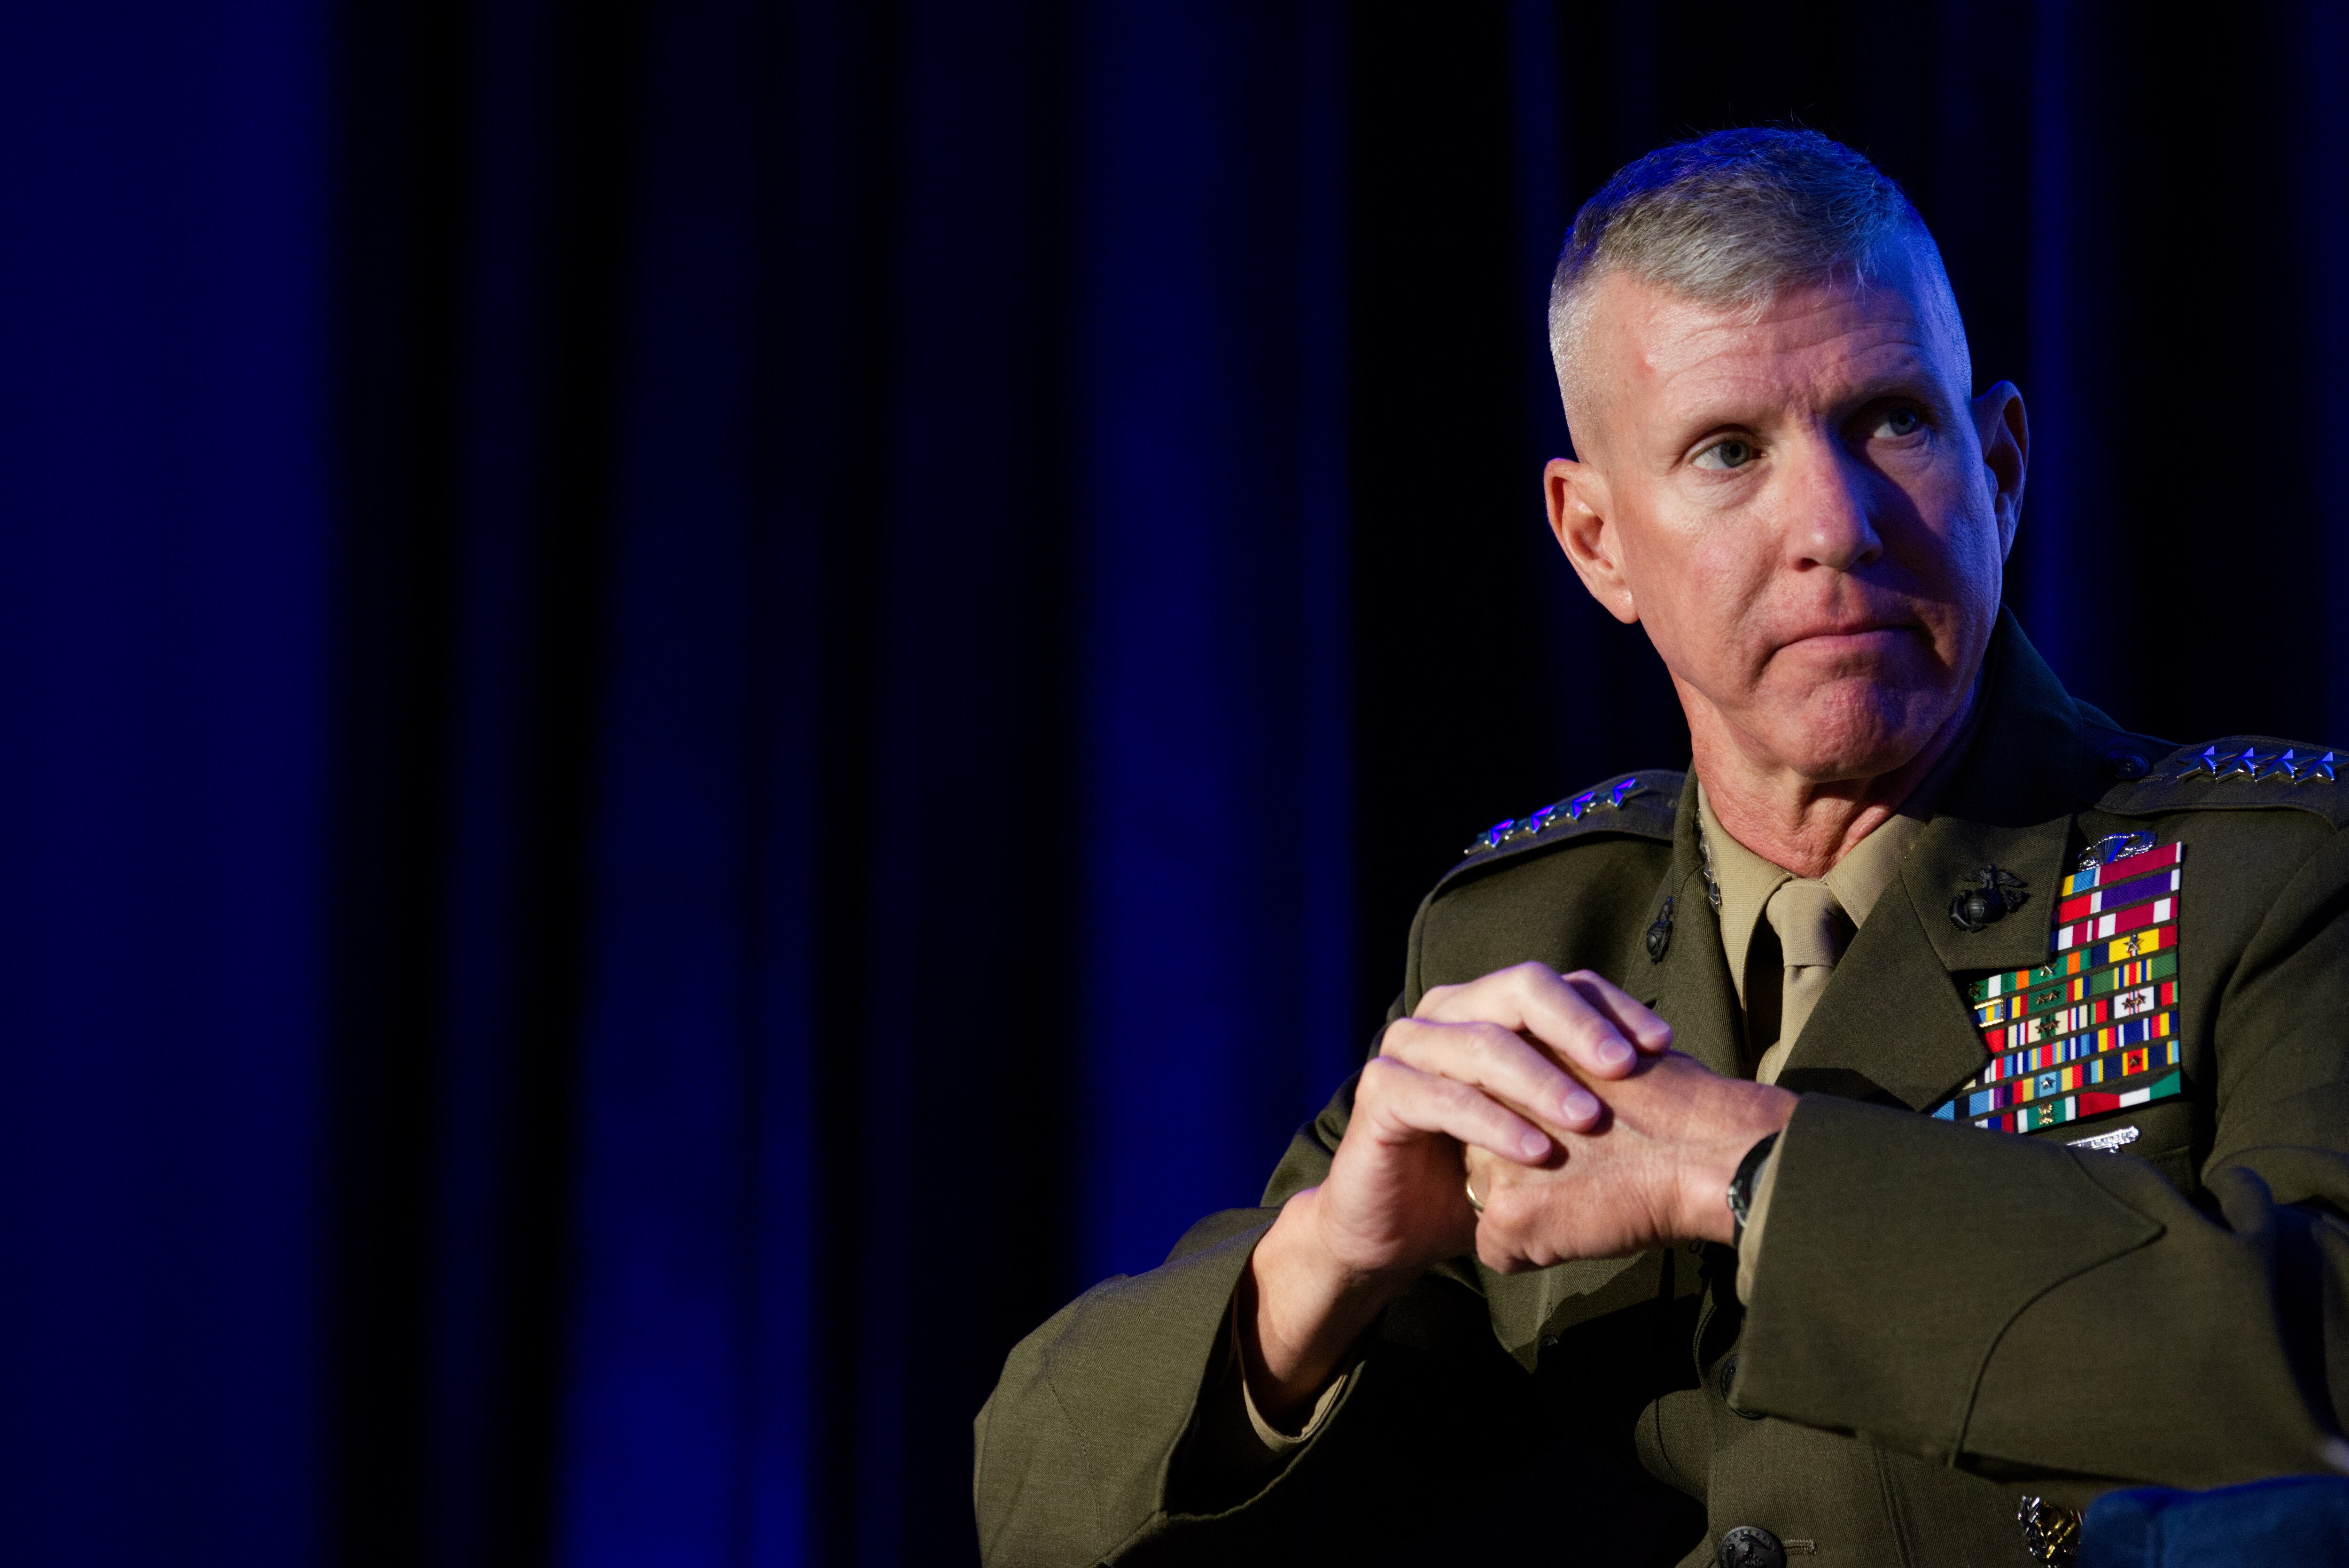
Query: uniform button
1750,1546
2122,765
1722,1377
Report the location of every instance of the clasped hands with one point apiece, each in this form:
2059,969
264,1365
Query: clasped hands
1560,1099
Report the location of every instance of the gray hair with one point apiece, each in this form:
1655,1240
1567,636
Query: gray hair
1732,218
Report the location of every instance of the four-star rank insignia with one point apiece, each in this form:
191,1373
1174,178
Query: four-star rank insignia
2094,1030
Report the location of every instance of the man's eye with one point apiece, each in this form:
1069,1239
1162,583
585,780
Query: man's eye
1731,453
1898,422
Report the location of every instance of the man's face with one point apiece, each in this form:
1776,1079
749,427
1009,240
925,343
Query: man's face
1800,510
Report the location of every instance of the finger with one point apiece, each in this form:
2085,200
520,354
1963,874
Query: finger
1397,1102
1534,999
1491,1175
1501,1253
1497,1060
1630,1018
1504,1242
1500,1062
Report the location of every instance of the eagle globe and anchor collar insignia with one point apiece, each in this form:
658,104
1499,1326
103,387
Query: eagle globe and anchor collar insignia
1990,894
2095,1029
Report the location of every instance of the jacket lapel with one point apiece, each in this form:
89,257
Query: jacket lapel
1689,988
1893,1023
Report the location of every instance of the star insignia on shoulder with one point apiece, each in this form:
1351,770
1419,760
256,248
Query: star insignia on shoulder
1515,830
2289,765
2240,771
2205,762
2246,763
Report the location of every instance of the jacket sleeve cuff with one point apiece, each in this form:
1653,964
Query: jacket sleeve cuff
1757,1215
1276,1441
1234,1449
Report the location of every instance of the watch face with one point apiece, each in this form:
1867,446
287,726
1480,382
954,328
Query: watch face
1741,1186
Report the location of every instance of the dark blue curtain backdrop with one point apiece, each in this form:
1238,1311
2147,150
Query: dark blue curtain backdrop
705,700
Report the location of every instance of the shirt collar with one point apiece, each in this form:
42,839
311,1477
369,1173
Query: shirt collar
1746,880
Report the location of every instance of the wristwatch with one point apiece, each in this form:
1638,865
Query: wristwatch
1741,1186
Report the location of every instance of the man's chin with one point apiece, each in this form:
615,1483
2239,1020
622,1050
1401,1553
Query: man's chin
1856,736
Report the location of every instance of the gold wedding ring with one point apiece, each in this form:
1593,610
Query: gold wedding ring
1468,1184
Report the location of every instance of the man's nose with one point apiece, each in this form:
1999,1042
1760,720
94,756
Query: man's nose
1830,515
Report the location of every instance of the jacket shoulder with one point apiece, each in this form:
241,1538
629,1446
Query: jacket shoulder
1644,804
2238,773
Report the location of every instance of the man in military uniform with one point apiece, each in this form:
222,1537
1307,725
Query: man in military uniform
1847,1153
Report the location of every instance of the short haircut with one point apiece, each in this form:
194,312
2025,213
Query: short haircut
1732,218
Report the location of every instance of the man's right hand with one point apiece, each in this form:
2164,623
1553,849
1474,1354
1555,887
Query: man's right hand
1478,1064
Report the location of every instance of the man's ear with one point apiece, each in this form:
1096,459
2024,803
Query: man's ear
2006,436
1579,516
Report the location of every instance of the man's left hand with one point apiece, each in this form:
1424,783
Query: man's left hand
1654,1170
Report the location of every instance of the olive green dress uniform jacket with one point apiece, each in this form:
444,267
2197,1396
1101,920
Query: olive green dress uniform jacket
1943,1318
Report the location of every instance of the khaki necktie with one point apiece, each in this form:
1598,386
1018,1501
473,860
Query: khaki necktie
1813,931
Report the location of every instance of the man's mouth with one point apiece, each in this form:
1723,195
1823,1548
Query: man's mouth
1857,636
